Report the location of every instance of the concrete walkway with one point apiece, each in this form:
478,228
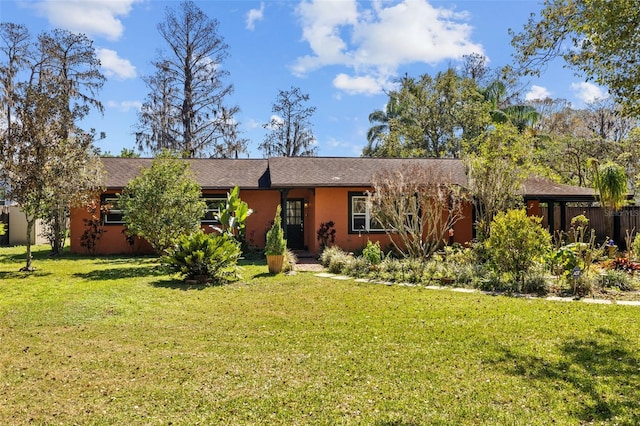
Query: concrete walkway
324,274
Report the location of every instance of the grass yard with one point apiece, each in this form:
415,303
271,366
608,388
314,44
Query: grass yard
116,341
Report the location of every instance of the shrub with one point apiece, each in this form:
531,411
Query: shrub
516,243
373,253
338,263
163,203
623,264
289,262
357,267
635,248
536,282
390,269
617,279
276,244
328,253
207,257
326,234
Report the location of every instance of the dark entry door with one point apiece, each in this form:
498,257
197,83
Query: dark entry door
295,224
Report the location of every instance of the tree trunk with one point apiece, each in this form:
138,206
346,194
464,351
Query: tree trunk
28,267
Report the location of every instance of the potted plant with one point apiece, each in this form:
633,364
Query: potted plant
276,245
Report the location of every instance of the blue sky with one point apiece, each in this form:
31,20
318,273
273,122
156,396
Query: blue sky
343,53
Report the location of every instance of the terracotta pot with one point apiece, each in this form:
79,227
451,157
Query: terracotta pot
274,261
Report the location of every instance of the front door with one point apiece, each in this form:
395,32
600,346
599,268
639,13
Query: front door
295,224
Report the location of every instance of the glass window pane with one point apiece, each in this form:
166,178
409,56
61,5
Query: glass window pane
359,223
374,224
359,205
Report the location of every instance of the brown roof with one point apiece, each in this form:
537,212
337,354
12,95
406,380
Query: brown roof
350,171
540,188
309,172
210,173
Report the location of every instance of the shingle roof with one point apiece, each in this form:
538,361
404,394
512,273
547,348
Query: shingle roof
539,187
309,172
210,173
350,171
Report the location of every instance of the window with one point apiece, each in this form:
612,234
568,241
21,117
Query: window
360,219
215,204
113,215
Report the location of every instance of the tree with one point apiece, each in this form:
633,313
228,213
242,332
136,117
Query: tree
162,203
597,38
435,116
185,110
380,127
496,173
63,193
610,181
417,206
72,62
43,152
16,47
290,133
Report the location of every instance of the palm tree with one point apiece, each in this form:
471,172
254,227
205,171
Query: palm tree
610,181
520,115
380,125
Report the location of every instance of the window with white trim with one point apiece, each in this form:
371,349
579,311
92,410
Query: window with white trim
360,217
215,204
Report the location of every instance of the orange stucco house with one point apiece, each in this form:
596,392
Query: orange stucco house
311,190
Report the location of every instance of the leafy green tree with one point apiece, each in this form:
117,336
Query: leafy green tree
289,130
48,162
163,203
517,242
598,38
497,167
435,116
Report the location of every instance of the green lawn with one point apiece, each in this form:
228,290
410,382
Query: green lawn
116,341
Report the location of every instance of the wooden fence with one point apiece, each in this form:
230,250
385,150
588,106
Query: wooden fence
629,220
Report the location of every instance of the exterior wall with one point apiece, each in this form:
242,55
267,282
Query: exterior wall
533,208
463,229
320,205
264,204
333,204
18,228
113,241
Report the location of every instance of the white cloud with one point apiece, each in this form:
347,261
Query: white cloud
358,85
375,41
254,15
96,17
588,92
124,106
114,65
537,92
274,122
